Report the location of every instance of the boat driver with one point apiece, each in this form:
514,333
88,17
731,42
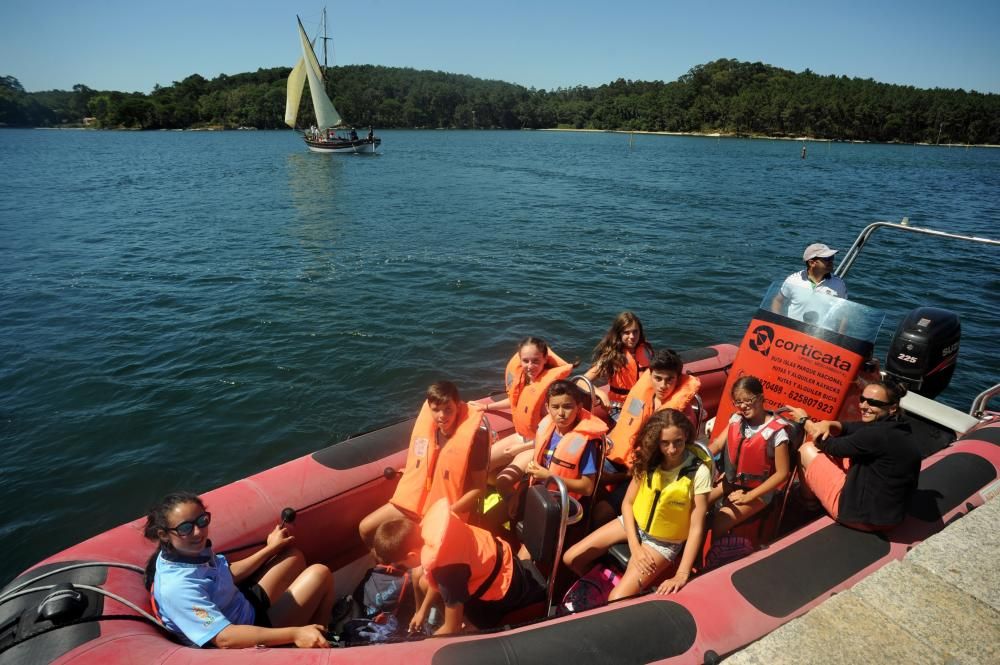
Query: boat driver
797,290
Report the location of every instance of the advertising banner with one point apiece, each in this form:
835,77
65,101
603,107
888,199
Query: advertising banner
808,365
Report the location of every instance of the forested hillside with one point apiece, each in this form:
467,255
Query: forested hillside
725,96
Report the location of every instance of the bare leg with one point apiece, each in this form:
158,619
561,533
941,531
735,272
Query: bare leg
503,451
280,571
308,600
731,514
807,453
580,557
633,581
511,475
377,517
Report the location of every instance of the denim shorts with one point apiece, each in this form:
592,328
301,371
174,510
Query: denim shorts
667,549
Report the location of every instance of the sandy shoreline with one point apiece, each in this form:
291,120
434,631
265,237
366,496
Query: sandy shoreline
761,137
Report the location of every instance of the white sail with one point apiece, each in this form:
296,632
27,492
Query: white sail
326,115
296,80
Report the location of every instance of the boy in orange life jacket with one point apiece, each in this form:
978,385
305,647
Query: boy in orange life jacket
663,386
472,572
448,457
567,444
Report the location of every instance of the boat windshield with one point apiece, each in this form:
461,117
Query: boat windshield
824,311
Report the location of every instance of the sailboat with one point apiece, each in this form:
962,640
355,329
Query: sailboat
330,133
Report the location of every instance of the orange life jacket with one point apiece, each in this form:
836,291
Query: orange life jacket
635,364
448,540
638,408
566,459
432,473
527,400
746,462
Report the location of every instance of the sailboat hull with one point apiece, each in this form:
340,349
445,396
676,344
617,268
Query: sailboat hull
346,146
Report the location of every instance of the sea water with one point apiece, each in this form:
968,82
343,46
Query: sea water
183,309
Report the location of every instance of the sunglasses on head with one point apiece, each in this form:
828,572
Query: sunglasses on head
874,402
187,528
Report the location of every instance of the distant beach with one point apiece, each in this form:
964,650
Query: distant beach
731,135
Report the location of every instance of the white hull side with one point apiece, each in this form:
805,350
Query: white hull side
361,147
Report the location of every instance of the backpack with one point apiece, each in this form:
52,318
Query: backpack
383,596
590,591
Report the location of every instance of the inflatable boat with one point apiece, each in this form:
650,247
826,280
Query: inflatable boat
88,603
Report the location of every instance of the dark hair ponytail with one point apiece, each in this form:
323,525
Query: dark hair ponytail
895,391
156,521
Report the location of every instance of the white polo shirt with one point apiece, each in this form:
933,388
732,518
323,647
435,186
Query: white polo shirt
798,290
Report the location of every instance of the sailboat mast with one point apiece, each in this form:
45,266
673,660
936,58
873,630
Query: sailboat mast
325,40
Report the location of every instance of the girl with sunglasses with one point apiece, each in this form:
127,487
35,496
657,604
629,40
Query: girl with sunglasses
863,472
755,457
269,598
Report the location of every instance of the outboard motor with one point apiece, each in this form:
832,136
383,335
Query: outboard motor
924,350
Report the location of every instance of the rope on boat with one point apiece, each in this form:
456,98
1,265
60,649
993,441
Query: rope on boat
89,564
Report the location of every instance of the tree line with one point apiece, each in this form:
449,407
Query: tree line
726,96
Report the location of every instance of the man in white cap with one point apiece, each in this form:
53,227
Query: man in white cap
799,288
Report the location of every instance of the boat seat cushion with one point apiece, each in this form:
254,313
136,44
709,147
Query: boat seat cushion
619,553
539,530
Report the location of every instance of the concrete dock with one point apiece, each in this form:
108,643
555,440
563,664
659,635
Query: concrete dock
940,604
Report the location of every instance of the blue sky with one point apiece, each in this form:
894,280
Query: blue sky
133,45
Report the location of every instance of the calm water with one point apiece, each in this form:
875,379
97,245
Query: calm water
181,310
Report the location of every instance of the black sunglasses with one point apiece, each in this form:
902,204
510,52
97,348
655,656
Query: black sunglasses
187,528
874,402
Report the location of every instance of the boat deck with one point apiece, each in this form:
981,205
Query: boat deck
940,604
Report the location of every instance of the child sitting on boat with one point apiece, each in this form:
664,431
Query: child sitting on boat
568,443
472,573
448,457
620,358
530,372
663,514
269,598
755,447
663,386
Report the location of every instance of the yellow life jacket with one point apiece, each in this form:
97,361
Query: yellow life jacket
663,509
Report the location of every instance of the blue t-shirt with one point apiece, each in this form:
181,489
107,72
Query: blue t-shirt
588,463
197,597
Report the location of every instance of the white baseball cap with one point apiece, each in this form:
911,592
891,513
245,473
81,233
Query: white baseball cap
818,250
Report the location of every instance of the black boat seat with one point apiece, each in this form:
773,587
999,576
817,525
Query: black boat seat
620,555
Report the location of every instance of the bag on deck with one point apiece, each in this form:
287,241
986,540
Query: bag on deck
590,591
386,599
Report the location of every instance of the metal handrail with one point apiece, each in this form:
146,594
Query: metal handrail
979,404
590,388
903,225
563,519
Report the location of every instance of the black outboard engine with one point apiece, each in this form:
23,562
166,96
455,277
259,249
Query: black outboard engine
924,350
